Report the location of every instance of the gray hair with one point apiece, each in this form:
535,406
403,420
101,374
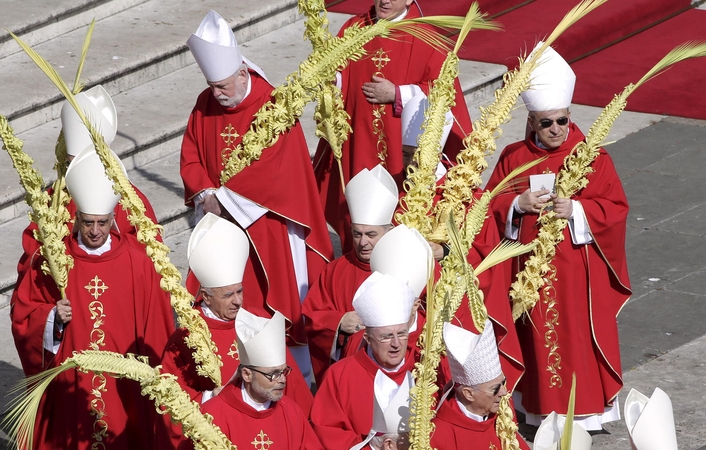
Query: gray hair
377,441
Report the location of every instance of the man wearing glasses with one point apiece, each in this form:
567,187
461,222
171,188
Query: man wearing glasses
468,411
572,327
251,409
342,412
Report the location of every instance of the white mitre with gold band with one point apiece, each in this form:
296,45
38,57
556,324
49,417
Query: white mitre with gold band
261,341
550,431
413,115
372,197
89,186
217,252
383,300
215,49
99,109
403,253
551,84
650,422
473,358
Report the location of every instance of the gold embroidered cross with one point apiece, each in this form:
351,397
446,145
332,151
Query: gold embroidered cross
380,59
233,352
98,287
229,135
262,443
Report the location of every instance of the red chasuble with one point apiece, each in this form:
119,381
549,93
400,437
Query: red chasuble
456,431
403,60
282,426
342,414
326,303
118,306
281,181
590,288
178,360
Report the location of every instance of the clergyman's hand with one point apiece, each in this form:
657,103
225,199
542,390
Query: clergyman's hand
380,90
350,323
63,311
563,207
530,203
211,205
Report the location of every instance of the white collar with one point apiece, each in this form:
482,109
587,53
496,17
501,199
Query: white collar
254,404
208,313
95,251
469,414
395,369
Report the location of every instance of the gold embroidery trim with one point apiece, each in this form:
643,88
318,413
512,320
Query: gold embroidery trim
97,286
98,382
229,136
380,59
551,336
233,351
264,443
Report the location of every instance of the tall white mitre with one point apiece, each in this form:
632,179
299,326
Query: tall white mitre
217,252
650,422
383,300
261,342
550,431
551,84
99,109
413,115
215,49
372,197
403,253
89,186
473,358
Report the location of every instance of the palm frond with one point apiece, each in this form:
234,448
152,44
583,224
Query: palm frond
569,424
510,176
78,86
573,16
687,50
501,253
475,20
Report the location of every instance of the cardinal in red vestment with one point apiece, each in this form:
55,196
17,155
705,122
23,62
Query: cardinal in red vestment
572,328
375,89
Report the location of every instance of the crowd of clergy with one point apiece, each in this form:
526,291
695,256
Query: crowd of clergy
318,352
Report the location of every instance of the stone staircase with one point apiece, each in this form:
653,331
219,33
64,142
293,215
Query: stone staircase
139,54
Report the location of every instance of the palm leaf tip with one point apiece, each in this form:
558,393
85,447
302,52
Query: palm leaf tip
475,20
687,50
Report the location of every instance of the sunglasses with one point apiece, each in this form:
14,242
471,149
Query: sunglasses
546,123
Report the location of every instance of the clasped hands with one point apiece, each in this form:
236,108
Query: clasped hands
531,203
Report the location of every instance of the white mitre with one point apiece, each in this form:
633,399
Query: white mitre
473,358
215,49
261,342
650,422
372,197
217,252
89,186
99,109
403,253
383,300
551,84
550,431
413,115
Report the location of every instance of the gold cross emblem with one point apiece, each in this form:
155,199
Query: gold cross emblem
229,135
380,59
264,442
233,352
98,287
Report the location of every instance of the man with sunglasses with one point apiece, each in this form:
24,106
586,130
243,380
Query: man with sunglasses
251,409
572,328
342,415
470,406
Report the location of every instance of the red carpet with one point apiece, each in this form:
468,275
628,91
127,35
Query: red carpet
677,92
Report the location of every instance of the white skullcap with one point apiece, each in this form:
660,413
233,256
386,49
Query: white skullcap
383,300
473,358
413,119
261,342
550,431
372,197
403,253
99,109
552,83
217,252
89,186
650,422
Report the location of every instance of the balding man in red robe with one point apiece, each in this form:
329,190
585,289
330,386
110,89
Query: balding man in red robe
273,199
372,196
113,302
375,89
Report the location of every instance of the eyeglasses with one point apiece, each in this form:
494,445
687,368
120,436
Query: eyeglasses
402,336
546,123
497,388
272,376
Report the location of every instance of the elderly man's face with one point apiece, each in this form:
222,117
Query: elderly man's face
260,387
224,301
487,396
388,344
94,229
549,132
231,91
407,156
365,237
389,9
